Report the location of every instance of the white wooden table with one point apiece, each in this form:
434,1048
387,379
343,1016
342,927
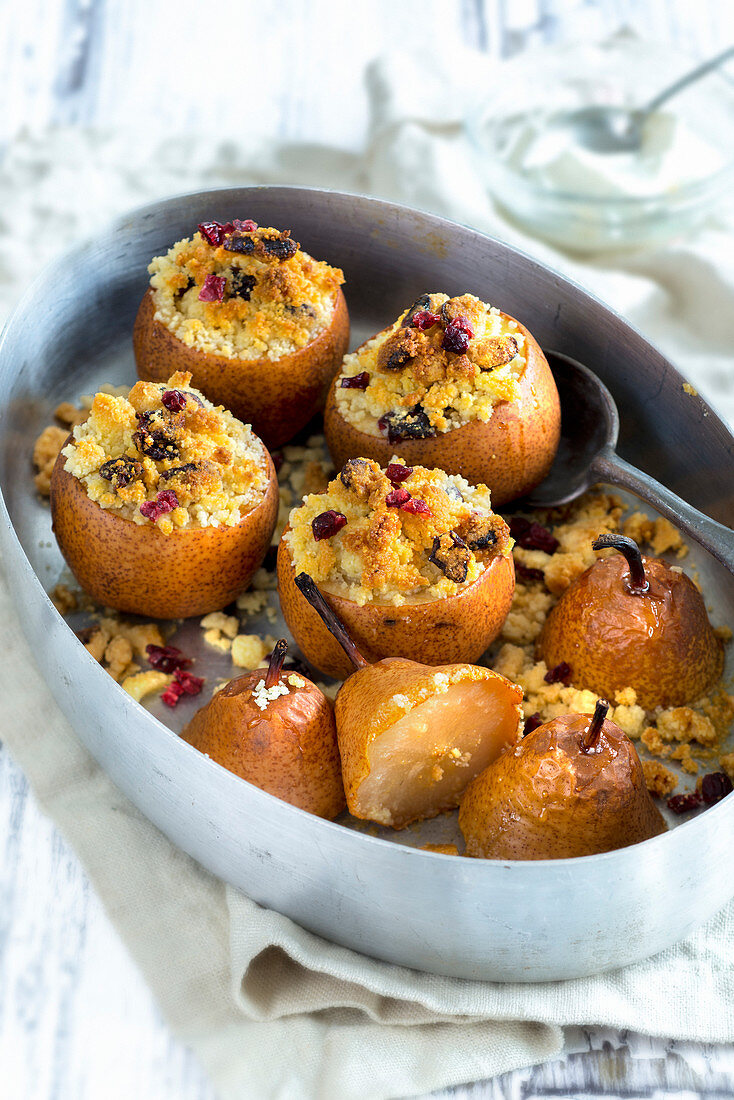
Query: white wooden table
76,1020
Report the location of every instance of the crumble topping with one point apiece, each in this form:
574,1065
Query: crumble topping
395,534
436,368
163,454
242,291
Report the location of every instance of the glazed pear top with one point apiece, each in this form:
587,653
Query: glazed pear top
444,362
632,621
552,797
275,729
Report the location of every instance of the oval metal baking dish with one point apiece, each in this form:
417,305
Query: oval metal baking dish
469,918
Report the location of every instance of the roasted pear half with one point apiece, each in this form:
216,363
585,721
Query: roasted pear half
411,736
632,621
573,787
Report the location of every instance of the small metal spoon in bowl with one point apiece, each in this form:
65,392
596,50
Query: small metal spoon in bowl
619,129
587,454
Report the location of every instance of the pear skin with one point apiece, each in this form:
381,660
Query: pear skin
412,736
458,628
548,799
289,749
660,643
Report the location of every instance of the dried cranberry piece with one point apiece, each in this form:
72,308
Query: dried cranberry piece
714,787
245,226
416,507
174,400
166,657
682,803
533,722
121,471
165,502
397,473
356,382
561,674
423,319
190,684
525,573
212,232
327,524
213,289
172,694
242,285
532,536
457,335
397,498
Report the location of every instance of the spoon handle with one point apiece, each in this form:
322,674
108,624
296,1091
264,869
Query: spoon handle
713,536
696,74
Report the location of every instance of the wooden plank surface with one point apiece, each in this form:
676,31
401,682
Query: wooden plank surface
76,1019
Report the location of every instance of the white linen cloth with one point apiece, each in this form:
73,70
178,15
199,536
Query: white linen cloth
272,1010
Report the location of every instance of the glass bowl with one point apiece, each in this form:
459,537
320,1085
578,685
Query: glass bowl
588,202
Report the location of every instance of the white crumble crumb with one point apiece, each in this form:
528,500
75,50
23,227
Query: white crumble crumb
262,695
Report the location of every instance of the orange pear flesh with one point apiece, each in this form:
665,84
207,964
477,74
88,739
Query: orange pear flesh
289,749
413,736
660,643
547,799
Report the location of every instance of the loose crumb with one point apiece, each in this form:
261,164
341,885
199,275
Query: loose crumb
248,650
689,389
45,452
726,763
660,781
217,620
64,600
145,683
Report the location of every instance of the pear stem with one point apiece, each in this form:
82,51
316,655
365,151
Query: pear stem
276,662
590,738
308,588
638,584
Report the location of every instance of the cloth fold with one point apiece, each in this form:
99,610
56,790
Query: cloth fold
272,1010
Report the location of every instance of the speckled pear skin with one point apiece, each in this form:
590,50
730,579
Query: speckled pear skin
276,396
136,569
546,799
511,453
365,708
289,750
661,644
458,628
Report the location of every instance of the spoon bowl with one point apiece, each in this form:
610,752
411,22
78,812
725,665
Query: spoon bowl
587,454
604,129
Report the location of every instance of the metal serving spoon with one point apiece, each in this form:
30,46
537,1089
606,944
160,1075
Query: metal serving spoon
619,129
587,454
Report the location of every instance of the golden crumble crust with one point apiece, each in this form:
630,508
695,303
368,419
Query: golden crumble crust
390,545
411,367
166,442
272,297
